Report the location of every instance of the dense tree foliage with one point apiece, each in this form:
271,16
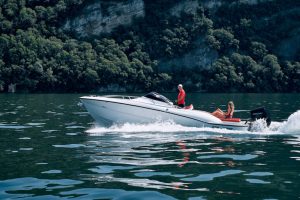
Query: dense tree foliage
255,31
37,56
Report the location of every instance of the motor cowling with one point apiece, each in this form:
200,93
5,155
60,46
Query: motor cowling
260,113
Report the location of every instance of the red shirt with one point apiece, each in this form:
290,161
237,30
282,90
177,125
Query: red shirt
181,97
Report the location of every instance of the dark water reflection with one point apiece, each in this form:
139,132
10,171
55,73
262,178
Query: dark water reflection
50,149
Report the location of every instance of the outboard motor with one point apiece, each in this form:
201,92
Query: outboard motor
260,113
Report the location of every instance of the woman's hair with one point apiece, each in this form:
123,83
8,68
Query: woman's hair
230,103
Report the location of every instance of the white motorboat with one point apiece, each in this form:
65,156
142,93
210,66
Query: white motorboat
153,107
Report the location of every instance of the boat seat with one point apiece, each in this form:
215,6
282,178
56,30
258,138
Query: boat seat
231,119
190,107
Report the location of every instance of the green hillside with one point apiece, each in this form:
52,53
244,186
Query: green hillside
256,46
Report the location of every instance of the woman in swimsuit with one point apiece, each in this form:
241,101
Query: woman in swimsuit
220,114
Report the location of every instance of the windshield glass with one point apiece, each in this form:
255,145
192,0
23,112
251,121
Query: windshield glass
158,97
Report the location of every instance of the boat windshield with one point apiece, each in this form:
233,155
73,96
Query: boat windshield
158,97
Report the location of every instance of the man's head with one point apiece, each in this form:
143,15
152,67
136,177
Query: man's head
180,87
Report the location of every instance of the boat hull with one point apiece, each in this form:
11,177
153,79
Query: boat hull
107,112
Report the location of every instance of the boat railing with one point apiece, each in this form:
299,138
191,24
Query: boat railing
121,97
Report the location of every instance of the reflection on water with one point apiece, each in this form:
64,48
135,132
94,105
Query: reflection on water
164,156
50,149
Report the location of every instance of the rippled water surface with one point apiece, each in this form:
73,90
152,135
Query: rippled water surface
51,149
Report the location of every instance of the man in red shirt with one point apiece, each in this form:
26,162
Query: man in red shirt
181,96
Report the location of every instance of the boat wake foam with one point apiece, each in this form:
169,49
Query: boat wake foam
291,126
159,126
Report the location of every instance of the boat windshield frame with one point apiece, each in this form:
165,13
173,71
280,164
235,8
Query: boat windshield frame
158,97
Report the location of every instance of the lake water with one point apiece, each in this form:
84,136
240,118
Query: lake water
51,149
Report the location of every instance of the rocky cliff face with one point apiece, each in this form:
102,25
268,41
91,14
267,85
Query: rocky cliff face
102,17
190,6
289,48
200,57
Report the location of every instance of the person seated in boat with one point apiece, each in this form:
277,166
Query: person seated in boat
222,115
181,96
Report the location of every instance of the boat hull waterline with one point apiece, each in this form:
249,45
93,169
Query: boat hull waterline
108,111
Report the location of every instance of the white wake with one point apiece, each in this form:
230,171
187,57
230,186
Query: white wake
291,126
